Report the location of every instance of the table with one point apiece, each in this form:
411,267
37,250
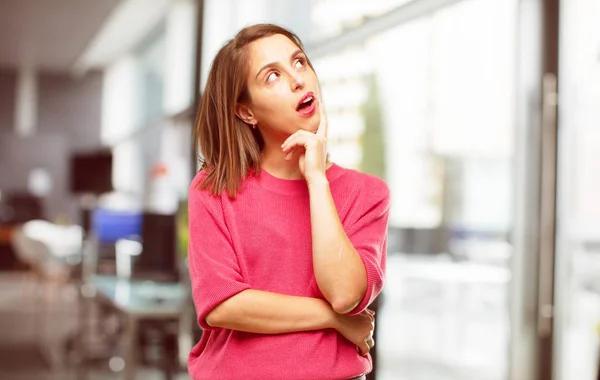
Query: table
140,300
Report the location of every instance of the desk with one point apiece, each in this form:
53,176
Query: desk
140,300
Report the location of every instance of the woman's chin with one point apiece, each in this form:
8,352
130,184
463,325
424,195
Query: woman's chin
311,127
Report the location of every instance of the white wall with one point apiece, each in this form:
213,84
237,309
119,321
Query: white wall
224,18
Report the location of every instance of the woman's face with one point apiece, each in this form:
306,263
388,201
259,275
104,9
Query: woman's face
284,89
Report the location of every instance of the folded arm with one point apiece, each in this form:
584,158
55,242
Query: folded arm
339,270
263,312
349,264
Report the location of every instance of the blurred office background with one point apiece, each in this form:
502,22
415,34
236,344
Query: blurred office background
483,116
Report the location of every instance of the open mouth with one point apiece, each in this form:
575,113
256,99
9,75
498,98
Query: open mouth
307,104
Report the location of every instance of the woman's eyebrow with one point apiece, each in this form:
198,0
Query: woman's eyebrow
295,53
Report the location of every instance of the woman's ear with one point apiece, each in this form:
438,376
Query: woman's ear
245,114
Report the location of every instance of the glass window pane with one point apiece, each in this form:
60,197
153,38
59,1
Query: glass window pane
577,316
436,101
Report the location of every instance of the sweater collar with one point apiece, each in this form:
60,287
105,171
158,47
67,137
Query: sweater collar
294,186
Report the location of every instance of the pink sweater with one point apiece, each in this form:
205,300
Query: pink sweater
261,240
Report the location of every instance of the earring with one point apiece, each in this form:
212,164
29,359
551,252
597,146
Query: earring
253,126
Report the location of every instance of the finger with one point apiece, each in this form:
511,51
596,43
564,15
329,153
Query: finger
322,130
288,141
292,144
290,138
361,350
364,349
293,136
299,140
370,343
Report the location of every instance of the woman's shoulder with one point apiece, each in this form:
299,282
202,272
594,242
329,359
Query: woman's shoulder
201,187
365,183
199,191
197,181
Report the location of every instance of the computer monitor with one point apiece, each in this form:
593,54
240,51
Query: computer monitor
159,259
91,173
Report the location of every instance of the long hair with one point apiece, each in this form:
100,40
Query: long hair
229,148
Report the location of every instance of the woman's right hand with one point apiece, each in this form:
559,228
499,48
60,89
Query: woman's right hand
358,329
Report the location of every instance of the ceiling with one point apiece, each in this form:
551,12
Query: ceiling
49,34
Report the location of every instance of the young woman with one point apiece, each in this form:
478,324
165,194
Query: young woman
286,249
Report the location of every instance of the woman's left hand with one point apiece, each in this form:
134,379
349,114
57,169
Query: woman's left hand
312,147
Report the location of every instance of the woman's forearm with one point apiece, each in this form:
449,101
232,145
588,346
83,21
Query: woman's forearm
339,270
263,312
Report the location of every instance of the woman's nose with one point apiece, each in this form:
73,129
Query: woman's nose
297,82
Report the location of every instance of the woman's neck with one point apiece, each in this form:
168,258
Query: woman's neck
274,162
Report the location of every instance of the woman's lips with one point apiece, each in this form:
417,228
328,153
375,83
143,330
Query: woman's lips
307,104
309,95
308,111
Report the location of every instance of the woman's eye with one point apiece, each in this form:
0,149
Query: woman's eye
271,77
299,63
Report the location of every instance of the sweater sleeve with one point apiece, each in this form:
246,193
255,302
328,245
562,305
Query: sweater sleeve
368,233
214,269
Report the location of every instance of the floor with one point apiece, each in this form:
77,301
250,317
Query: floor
442,328
20,357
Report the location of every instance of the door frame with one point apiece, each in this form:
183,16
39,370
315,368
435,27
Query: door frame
532,290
